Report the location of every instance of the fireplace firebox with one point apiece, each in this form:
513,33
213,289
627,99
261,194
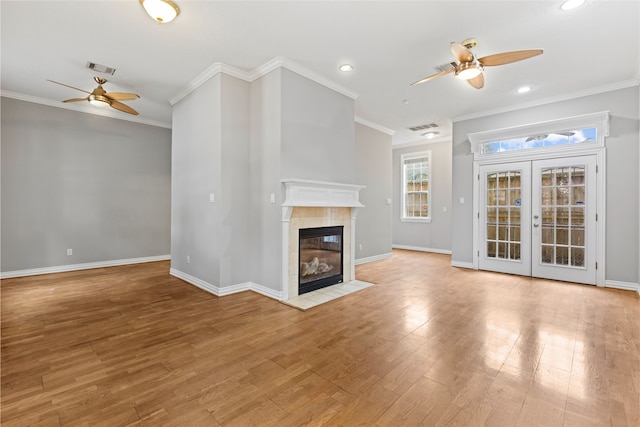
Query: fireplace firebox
320,258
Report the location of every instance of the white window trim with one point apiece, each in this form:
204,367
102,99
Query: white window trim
598,120
404,157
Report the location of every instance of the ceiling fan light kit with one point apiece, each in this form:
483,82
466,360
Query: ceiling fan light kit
470,68
162,11
100,98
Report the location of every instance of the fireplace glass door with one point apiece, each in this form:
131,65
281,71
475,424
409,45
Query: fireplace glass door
320,258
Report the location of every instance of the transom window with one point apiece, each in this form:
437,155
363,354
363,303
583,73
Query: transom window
416,177
543,139
550,139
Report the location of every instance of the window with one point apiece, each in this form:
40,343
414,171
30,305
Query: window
554,138
550,139
416,177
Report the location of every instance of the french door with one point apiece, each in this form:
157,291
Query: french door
538,218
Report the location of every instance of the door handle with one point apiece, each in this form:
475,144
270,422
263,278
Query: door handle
536,225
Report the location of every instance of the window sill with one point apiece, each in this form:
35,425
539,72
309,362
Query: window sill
427,220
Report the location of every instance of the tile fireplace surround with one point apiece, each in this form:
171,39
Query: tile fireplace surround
316,204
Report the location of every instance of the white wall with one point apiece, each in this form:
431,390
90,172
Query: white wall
435,235
622,189
99,186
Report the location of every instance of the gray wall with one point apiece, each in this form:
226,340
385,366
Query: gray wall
211,155
266,131
622,188
238,140
373,170
97,185
435,235
317,131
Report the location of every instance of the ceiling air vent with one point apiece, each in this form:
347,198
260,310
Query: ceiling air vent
423,127
100,68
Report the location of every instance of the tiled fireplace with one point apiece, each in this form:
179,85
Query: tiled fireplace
316,204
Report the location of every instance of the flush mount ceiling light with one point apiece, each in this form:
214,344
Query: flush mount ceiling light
524,89
571,4
345,67
162,11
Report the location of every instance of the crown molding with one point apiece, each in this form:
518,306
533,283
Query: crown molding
267,67
81,108
578,94
421,141
211,71
373,125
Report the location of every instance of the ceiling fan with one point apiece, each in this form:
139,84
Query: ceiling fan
469,67
101,98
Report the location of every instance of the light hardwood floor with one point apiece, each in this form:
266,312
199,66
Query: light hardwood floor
429,345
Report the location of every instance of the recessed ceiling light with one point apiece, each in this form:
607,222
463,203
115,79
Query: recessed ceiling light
345,67
524,89
430,134
571,4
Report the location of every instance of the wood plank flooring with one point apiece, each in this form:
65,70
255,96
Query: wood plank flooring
428,345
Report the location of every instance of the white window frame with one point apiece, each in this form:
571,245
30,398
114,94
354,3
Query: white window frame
403,186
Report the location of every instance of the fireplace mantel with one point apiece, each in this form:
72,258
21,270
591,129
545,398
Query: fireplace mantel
300,192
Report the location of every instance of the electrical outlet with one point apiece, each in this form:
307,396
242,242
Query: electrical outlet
360,246
188,259
69,251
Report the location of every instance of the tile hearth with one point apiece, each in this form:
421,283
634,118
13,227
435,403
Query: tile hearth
311,299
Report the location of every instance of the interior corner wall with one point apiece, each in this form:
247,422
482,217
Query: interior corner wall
70,180
373,170
435,235
622,181
196,173
264,165
236,225
211,182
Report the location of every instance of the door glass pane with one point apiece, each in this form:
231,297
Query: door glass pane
562,235
514,251
491,249
577,257
562,255
562,196
577,236
491,198
503,201
547,254
562,207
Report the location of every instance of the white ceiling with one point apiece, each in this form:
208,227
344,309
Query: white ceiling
390,44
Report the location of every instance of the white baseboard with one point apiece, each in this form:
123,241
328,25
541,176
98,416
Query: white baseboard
422,249
462,264
627,286
84,266
226,290
373,258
